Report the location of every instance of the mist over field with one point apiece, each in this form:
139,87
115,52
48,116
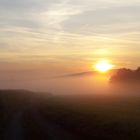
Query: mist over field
70,84
58,86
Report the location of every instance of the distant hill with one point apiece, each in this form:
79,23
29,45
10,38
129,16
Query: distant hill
19,96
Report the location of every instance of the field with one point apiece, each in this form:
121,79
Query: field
26,115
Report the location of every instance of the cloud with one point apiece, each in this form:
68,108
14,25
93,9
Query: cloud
60,12
43,27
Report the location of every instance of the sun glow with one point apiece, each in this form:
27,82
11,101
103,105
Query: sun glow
103,66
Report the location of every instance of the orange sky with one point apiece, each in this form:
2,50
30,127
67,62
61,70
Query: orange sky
67,36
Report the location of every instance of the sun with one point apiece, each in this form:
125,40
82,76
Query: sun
103,66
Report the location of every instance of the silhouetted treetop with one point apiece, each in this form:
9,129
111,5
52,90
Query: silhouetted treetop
124,75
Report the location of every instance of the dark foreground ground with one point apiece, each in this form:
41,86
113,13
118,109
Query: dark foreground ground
27,116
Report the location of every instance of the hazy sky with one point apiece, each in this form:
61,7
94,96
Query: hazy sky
67,35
